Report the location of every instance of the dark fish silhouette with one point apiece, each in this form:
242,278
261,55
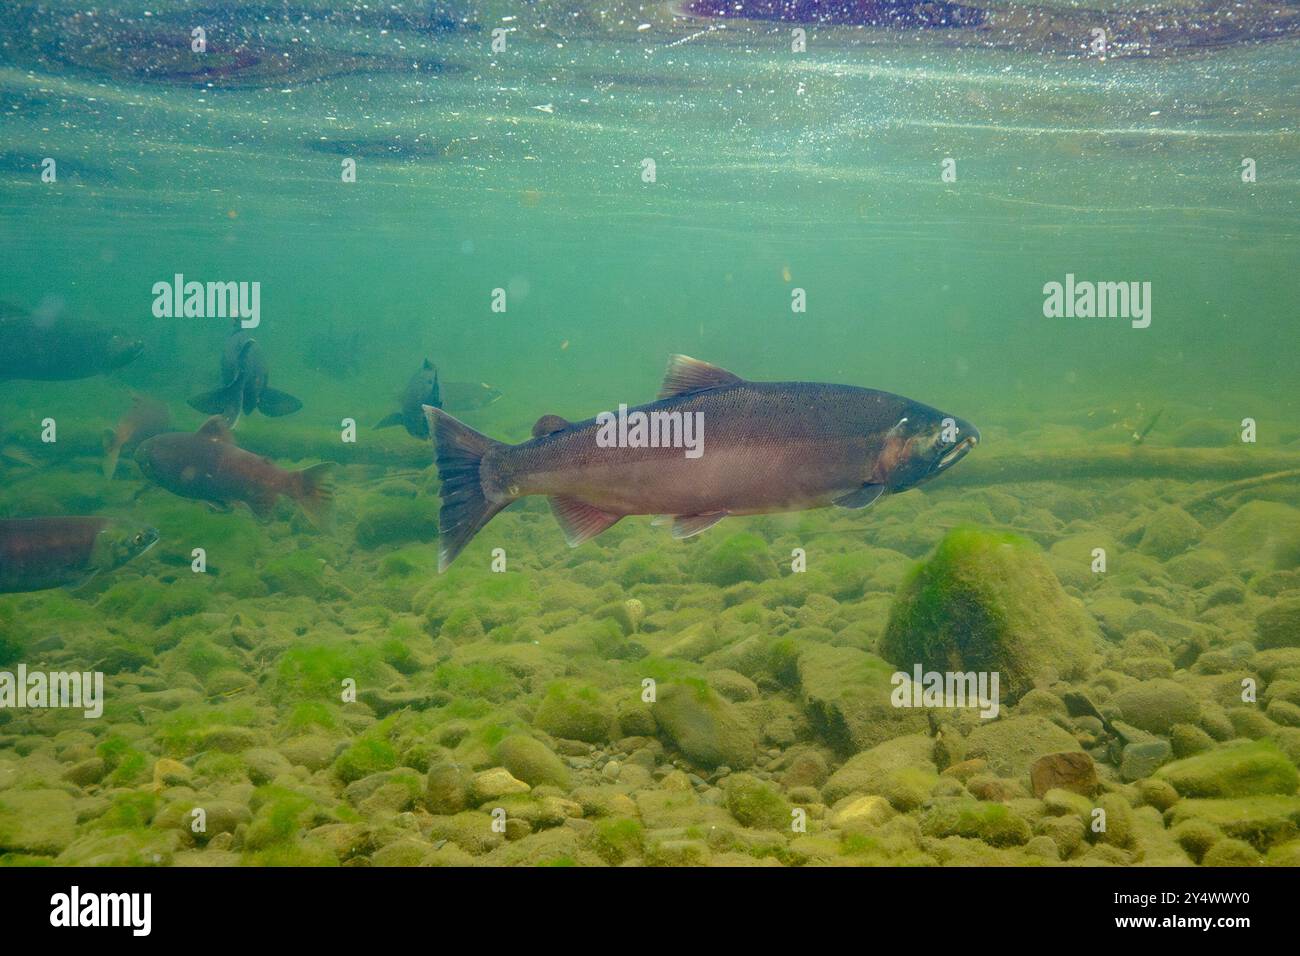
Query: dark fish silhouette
764,447
244,388
59,349
209,466
146,418
421,390
40,553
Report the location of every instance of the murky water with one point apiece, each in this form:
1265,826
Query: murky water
551,199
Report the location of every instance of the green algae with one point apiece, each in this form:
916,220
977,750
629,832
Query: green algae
987,601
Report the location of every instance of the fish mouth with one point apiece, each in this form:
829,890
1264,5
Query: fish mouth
957,452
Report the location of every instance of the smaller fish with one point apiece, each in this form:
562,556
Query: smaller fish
41,553
207,465
244,388
1141,434
421,390
59,349
146,418
468,396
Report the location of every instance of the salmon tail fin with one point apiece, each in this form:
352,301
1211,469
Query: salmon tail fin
465,508
111,452
314,493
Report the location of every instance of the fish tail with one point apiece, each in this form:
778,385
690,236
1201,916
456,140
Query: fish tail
312,489
465,507
112,449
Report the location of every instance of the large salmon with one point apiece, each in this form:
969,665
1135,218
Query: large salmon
713,444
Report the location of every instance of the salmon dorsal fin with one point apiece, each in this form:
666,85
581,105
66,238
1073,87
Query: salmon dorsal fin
685,375
216,429
549,425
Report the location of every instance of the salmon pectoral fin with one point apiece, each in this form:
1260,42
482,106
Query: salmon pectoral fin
225,401
389,421
578,520
866,495
275,403
688,526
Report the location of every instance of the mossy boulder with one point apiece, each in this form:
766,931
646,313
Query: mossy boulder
987,602
705,726
994,823
741,557
867,772
1157,705
755,803
39,822
1262,821
1169,532
1253,535
1243,769
532,761
575,712
1279,625
394,520
847,695
1013,744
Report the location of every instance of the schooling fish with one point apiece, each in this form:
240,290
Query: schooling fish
59,349
209,466
244,388
40,553
421,390
713,444
145,419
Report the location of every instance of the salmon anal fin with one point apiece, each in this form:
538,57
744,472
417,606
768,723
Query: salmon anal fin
579,521
685,375
549,425
866,495
687,526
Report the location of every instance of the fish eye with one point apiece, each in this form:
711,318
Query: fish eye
139,538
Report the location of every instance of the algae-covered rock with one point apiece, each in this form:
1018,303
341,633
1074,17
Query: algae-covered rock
1170,532
987,602
705,726
741,557
575,712
447,786
39,822
865,772
994,823
1253,534
532,761
848,697
861,813
1279,624
1156,705
1261,821
755,803
1011,745
1233,770
393,520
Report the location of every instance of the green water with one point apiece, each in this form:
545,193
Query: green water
522,170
